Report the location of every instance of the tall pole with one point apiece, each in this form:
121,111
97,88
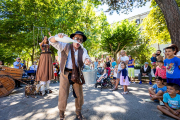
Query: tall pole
34,45
158,47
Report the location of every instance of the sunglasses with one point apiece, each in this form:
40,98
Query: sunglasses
19,59
76,38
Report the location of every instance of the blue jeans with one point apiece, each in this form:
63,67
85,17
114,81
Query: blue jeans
140,76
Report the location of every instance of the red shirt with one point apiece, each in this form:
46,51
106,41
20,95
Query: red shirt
109,71
161,72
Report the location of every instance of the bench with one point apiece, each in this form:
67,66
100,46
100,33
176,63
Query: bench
144,78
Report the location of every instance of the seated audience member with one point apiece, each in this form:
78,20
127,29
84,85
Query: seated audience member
18,65
33,67
105,75
157,90
171,101
145,70
161,71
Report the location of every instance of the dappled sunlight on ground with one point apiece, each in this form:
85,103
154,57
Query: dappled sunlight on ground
98,105
110,109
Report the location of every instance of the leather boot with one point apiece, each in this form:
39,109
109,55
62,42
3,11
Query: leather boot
61,114
79,115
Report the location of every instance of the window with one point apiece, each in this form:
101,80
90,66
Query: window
138,21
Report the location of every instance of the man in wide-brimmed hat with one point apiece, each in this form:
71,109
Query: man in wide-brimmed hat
66,67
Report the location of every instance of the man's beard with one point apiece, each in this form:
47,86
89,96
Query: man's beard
157,54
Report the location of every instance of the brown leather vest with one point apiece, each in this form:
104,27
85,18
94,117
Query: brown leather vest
64,56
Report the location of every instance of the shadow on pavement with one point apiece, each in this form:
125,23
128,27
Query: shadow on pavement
98,105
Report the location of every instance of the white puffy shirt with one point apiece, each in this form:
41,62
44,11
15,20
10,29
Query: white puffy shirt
60,47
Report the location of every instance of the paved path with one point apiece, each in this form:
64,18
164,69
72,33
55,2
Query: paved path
99,105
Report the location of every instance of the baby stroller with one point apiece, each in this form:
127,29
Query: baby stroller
104,83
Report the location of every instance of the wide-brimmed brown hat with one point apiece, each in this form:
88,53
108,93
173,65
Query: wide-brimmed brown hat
79,33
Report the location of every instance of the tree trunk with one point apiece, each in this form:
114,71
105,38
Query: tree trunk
53,54
32,56
172,16
115,56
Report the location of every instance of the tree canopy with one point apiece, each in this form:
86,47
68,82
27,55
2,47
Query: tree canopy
123,6
155,27
169,9
59,16
119,35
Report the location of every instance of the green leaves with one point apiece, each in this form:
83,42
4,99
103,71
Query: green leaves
141,52
123,6
60,16
154,26
119,35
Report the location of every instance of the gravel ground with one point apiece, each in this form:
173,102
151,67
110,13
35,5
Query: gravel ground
98,105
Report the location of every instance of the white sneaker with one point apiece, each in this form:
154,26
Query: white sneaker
148,100
161,103
43,90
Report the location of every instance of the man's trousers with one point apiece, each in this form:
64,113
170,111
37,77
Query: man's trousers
140,76
64,93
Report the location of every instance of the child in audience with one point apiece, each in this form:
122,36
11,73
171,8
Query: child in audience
124,78
55,72
153,58
114,73
105,75
161,71
157,90
172,64
153,62
171,101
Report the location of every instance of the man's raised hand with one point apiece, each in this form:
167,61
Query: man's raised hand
49,34
61,35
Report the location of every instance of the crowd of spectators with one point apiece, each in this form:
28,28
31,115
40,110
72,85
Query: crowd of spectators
165,68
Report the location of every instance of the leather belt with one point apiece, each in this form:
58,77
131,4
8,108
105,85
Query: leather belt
68,70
